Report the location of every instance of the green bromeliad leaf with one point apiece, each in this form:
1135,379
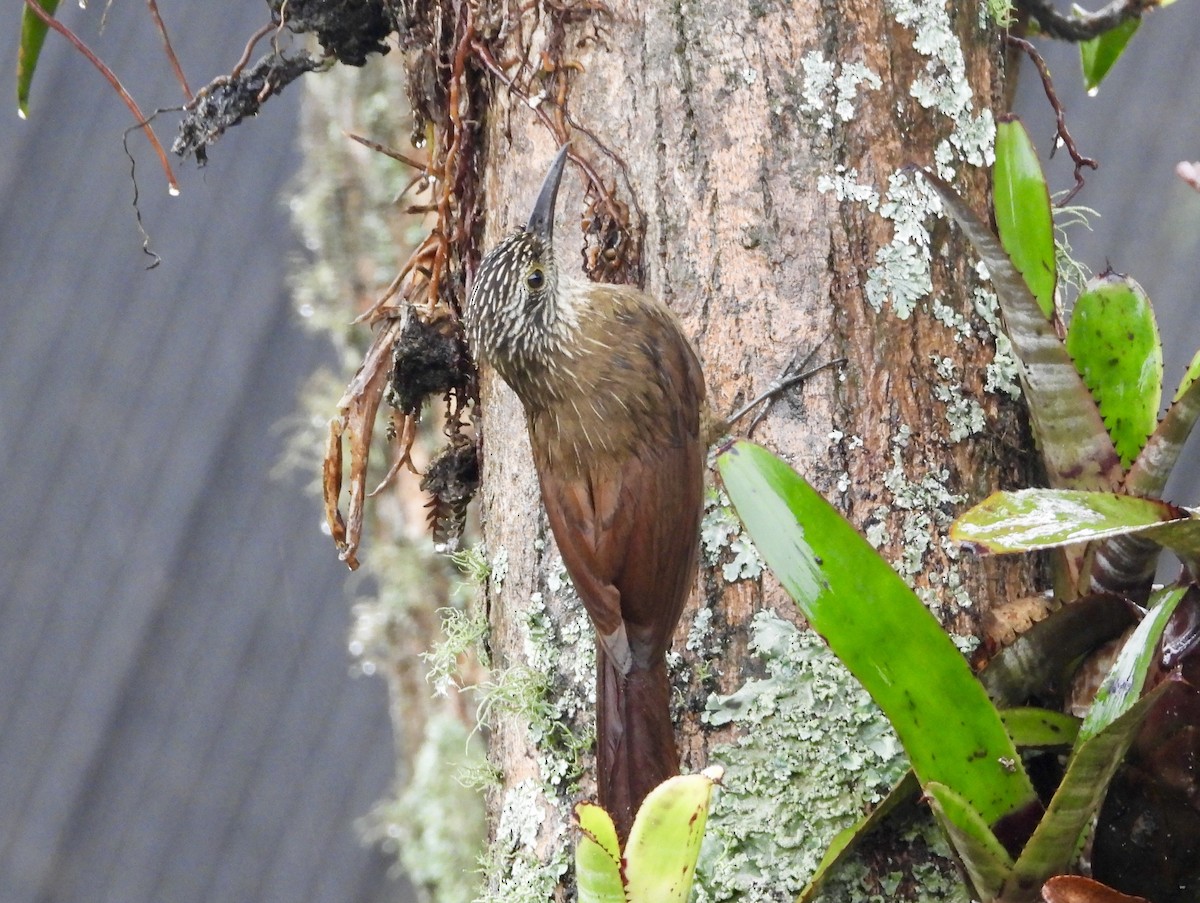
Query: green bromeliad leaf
1149,473
658,863
1023,218
33,35
1104,736
1027,519
1114,342
1098,55
984,857
664,842
881,631
598,857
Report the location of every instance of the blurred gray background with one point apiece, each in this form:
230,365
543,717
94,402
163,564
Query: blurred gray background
178,721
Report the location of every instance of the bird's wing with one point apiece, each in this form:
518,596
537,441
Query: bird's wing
627,525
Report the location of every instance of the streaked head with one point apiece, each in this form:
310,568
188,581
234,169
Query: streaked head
513,311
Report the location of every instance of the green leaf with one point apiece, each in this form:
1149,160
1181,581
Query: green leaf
33,35
1033,728
598,857
984,857
1099,54
1025,520
1023,218
664,842
1114,342
1076,447
1149,473
1127,678
1031,519
1104,737
880,630
1189,377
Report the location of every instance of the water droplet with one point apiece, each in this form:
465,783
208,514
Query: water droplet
368,668
306,310
1092,92
356,648
173,190
21,113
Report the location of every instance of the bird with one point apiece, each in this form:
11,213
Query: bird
614,403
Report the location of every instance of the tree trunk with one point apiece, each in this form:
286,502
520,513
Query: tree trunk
758,149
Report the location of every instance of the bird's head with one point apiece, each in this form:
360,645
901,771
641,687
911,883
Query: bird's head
516,313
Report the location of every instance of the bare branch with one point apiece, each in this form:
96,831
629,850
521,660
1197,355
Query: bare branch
1084,26
166,38
142,121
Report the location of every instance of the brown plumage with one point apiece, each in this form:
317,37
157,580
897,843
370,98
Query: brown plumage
613,394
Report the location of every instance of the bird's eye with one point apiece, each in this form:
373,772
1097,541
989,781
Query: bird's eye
536,278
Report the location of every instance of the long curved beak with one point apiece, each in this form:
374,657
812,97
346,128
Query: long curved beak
541,220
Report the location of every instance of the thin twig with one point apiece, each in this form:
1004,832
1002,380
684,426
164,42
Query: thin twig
1060,116
142,121
166,39
793,375
1083,26
405,438
245,57
155,259
387,151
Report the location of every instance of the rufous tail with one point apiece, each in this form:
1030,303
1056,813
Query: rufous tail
635,739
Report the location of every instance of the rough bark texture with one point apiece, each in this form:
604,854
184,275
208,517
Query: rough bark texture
742,167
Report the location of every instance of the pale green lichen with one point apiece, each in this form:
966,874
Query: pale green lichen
927,503
551,691
472,562
563,650
901,273
1073,274
928,507
724,542
514,869
943,85
845,187
964,415
518,690
498,570
464,634
435,824
813,753
1003,373
700,631
999,11
830,89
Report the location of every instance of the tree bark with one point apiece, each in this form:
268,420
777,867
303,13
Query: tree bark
758,147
